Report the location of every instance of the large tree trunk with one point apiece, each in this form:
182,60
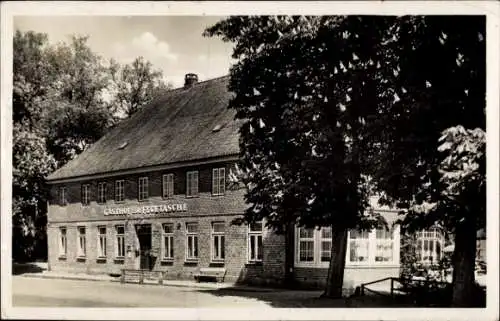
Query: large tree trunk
464,257
335,277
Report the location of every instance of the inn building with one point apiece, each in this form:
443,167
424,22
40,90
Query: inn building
154,194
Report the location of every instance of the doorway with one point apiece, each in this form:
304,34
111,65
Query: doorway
144,237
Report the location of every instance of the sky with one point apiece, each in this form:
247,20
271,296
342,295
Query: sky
173,44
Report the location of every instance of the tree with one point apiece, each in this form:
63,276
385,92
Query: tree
441,83
328,101
304,137
134,85
77,114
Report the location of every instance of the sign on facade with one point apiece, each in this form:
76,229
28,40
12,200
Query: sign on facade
148,210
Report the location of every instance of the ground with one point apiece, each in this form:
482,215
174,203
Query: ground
40,292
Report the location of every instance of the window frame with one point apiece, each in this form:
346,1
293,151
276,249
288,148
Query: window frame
101,192
221,236
102,246
143,189
119,242
170,236
119,191
192,190
85,194
255,233
63,241
168,185
218,181
194,236
81,252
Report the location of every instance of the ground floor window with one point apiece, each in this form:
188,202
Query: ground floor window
168,241
63,244
374,247
218,241
82,249
101,241
255,252
191,241
429,246
120,241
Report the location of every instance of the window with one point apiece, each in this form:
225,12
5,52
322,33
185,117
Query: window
306,245
218,181
63,244
375,247
192,241
101,193
120,241
326,244
62,195
358,246
143,188
82,250
429,246
255,242
85,194
119,191
192,183
168,185
168,241
384,245
101,241
218,241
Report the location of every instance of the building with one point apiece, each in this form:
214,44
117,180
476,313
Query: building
153,194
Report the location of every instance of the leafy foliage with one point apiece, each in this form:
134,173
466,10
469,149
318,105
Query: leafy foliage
134,85
61,106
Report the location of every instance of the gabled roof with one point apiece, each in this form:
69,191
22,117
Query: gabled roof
175,128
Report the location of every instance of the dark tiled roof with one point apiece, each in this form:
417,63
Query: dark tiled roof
177,127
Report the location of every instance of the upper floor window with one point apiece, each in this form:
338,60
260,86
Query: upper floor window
218,181
255,252
429,246
168,185
143,188
101,192
119,190
62,195
85,194
192,183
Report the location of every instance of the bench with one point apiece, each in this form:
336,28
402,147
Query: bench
140,275
211,273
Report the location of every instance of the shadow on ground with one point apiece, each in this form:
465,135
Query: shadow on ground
22,268
310,299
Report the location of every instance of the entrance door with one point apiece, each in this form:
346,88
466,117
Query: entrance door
144,237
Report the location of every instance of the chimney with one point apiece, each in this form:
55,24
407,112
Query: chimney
190,80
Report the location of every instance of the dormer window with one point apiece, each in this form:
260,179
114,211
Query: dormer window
192,184
101,193
62,196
